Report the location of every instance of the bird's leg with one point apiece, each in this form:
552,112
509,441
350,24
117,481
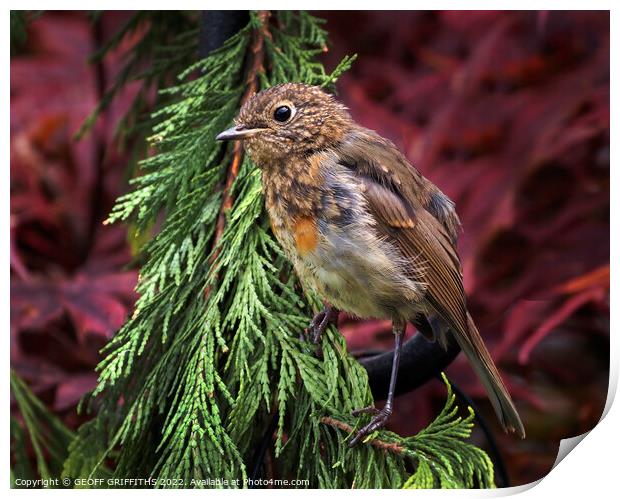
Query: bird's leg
381,417
320,321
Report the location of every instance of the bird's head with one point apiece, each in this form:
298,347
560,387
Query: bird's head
288,120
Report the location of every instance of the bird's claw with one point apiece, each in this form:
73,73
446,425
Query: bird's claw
319,323
317,326
378,421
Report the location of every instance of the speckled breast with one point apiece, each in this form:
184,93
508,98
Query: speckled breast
329,237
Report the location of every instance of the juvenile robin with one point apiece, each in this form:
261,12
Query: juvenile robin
362,227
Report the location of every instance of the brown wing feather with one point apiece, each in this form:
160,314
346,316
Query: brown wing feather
424,242
378,159
400,199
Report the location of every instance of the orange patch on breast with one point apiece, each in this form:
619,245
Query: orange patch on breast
306,235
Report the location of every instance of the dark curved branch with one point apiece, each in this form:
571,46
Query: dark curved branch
420,361
217,26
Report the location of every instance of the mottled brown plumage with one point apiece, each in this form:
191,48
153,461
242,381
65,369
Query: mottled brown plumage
362,226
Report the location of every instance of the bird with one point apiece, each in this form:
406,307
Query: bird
363,228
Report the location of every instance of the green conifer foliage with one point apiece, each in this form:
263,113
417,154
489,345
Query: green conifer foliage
211,362
48,436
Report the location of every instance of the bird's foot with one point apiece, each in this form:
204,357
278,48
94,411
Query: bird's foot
320,321
379,420
371,409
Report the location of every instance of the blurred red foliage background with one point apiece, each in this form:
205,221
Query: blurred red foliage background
508,112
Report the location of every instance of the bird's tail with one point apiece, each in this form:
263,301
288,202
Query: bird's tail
483,365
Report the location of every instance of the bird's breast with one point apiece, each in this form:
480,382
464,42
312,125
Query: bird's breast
331,240
292,198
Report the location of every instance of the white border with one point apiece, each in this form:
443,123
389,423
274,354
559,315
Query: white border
590,470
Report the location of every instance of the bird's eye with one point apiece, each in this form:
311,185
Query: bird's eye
282,114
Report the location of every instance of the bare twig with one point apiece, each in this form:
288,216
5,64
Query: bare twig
379,444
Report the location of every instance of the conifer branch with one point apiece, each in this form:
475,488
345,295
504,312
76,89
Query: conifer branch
375,442
257,54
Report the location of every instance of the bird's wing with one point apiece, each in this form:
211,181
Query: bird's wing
379,159
419,236
401,200
423,241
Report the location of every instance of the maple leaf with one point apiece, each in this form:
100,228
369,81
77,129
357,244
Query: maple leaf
70,288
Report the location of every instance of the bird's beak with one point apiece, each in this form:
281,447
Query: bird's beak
238,133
